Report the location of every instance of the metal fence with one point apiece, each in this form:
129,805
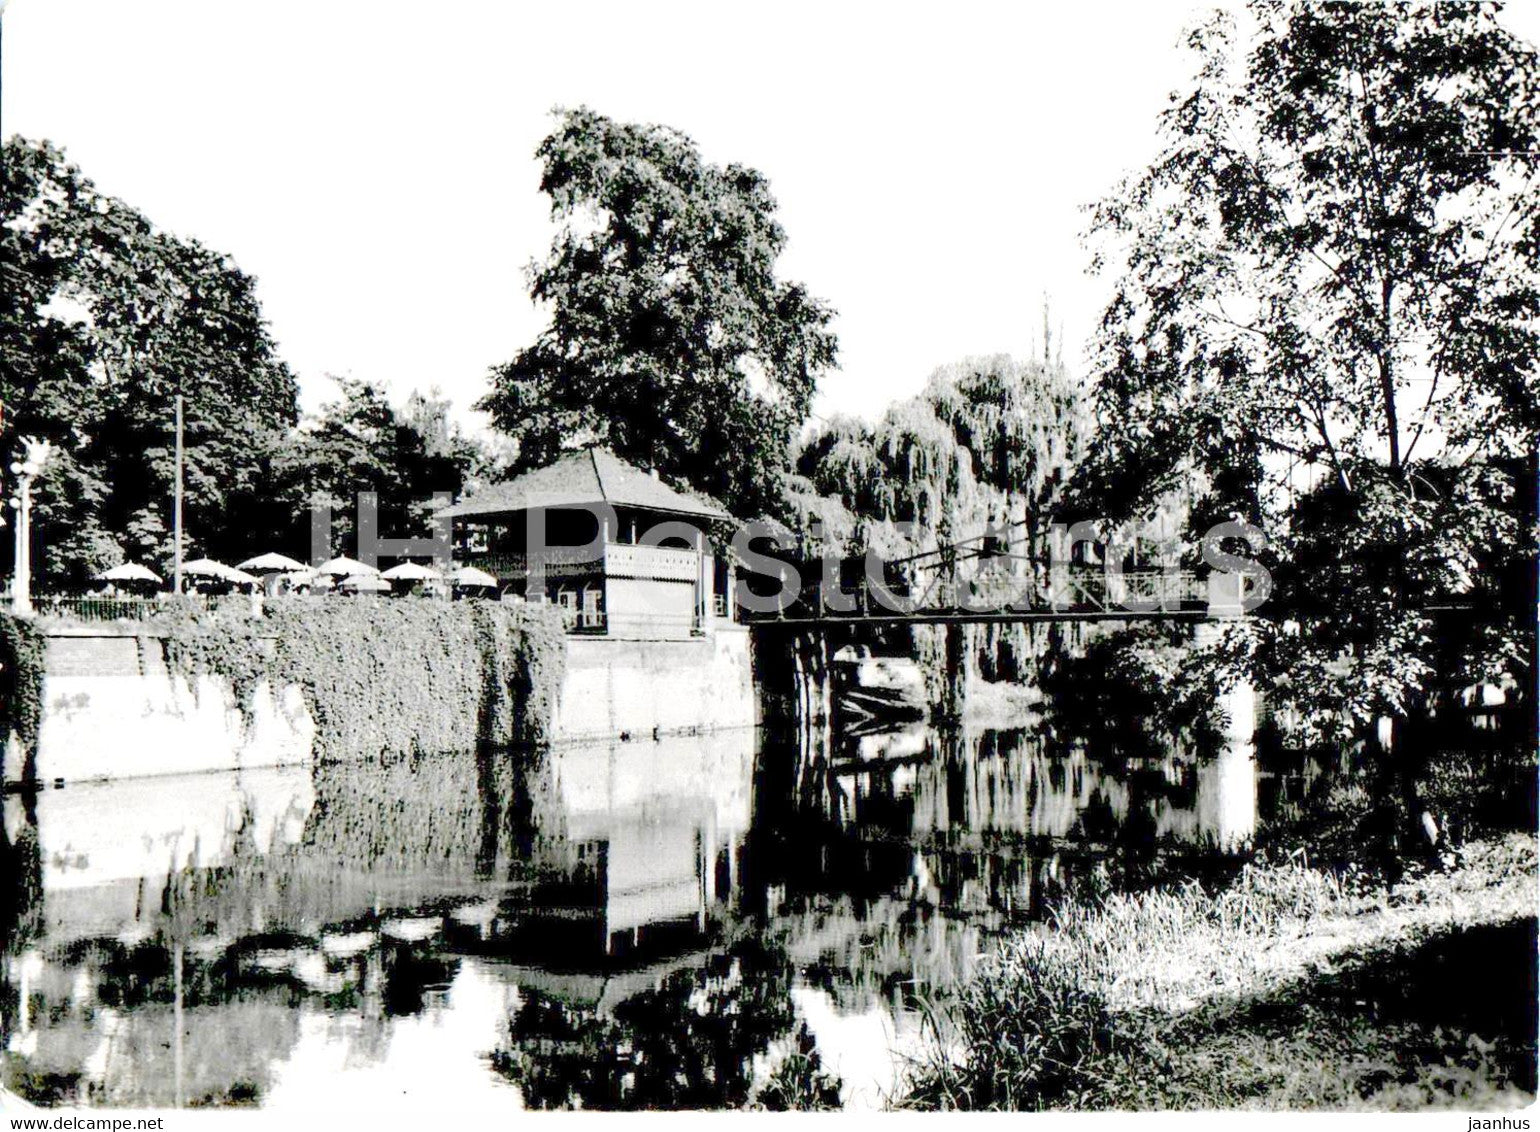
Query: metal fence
102,609
96,607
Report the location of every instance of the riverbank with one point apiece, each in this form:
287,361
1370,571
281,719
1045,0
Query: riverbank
1291,987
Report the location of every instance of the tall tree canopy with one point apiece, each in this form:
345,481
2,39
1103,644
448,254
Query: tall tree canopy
671,339
103,321
991,441
1326,310
363,443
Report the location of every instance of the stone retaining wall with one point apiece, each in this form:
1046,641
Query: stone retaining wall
111,709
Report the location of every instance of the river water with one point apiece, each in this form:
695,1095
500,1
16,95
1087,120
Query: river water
711,921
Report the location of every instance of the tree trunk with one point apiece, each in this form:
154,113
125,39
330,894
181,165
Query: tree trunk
1412,826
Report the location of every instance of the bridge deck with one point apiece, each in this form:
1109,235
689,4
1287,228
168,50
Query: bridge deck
795,619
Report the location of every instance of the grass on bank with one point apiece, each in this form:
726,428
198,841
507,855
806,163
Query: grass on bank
1246,996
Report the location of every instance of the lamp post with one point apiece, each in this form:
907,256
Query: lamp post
176,518
25,470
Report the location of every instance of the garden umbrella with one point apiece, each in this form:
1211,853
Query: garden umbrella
207,568
345,568
364,583
128,572
411,572
272,563
470,577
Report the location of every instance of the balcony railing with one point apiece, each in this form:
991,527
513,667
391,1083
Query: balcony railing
508,564
631,560
619,560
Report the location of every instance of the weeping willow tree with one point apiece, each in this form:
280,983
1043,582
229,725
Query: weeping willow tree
991,443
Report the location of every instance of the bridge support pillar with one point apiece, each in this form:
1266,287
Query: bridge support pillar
814,690
1227,784
1226,594
1239,702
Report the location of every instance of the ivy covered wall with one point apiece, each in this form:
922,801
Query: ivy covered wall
22,655
388,676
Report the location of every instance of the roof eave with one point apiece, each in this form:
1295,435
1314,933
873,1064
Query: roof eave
464,511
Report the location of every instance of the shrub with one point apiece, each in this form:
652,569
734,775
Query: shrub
1029,1032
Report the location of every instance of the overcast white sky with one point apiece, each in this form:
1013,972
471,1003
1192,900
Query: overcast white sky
372,163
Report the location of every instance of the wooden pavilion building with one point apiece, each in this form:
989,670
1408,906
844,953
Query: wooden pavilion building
625,554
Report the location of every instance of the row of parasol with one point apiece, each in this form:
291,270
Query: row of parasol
347,574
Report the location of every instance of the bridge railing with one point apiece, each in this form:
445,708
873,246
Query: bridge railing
1068,590
1129,589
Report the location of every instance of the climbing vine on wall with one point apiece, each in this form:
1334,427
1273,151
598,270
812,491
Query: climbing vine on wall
388,676
21,684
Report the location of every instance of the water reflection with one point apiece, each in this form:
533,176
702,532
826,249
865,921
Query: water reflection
699,922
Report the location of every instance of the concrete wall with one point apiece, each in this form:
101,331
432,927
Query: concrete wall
650,607
636,688
112,710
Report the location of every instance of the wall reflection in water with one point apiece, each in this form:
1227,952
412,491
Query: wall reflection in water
716,921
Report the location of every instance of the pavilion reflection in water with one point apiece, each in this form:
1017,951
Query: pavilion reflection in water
359,930
235,911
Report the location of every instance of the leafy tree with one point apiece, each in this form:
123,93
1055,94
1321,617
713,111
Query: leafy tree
671,338
363,443
1325,316
991,439
991,442
105,320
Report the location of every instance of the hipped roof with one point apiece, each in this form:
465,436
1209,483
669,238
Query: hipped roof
578,479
